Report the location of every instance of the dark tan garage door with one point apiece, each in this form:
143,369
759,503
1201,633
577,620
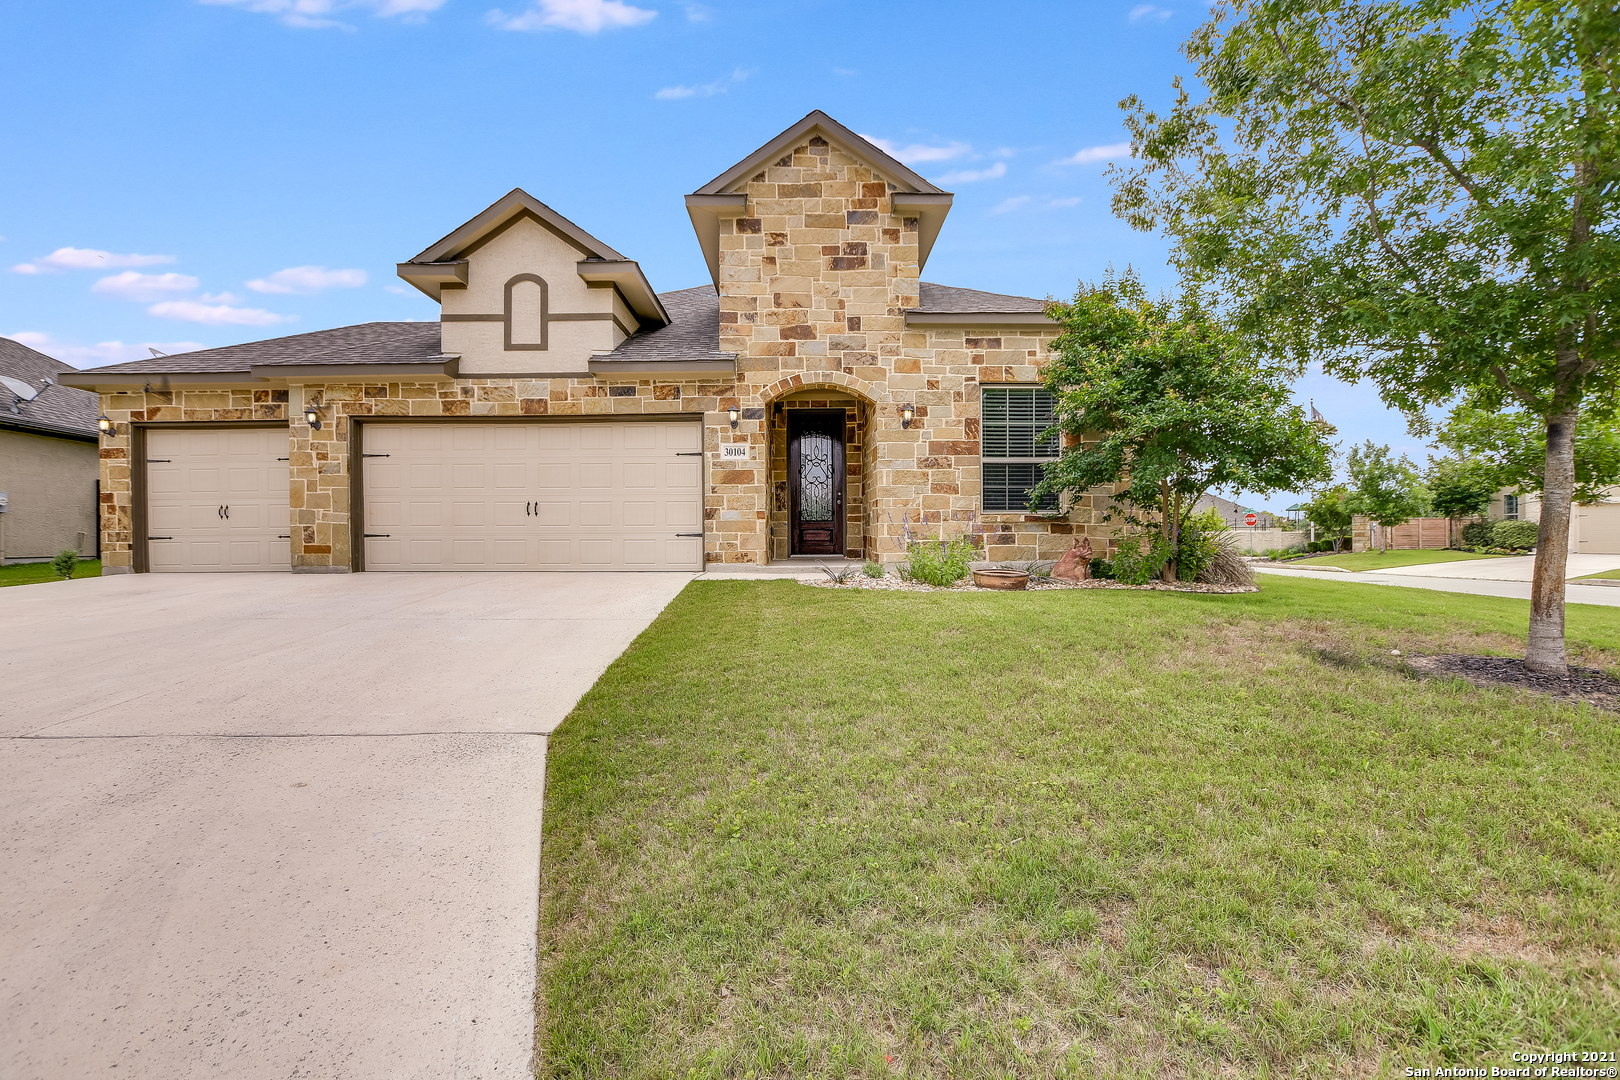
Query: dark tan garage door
620,495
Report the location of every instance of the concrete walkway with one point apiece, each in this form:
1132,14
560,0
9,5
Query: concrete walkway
1508,568
1520,590
284,826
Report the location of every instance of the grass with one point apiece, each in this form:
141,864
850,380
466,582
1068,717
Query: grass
34,573
819,833
1381,560
1606,574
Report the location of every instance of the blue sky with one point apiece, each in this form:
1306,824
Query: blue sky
185,173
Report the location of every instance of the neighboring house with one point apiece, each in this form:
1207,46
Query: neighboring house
1234,515
48,466
1594,529
815,399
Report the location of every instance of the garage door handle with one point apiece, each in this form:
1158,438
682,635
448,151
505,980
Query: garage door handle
368,536
689,453
688,534
376,455
159,460
283,459
160,538
284,536
526,509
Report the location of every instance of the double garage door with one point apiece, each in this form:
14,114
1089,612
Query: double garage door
533,496
441,496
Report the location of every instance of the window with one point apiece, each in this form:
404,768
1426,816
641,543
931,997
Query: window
1013,454
1510,507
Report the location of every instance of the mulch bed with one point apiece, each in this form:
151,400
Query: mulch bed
1590,685
890,583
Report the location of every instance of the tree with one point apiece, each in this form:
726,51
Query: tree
1459,488
1160,401
1509,446
1386,489
1419,192
1327,512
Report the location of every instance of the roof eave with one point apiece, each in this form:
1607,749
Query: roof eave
11,422
892,170
498,213
930,208
438,367
103,382
706,212
431,278
626,276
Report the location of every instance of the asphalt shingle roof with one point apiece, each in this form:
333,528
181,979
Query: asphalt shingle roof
367,343
693,332
57,408
948,298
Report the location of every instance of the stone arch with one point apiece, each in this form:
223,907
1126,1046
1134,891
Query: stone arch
812,380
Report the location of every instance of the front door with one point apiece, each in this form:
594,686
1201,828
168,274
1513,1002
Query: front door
816,481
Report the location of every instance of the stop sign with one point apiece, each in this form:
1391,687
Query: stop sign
1251,519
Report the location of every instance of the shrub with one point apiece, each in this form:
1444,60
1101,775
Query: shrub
1135,566
939,562
65,561
1227,568
1478,534
1200,540
872,569
1520,535
1102,569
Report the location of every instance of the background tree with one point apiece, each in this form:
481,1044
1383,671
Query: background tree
1384,488
1419,192
1161,402
1327,511
1510,447
1459,488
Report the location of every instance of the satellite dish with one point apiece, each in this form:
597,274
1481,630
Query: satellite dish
23,391
156,352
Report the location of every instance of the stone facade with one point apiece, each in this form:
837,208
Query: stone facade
818,289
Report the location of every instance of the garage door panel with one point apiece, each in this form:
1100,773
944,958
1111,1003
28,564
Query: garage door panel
222,494
539,496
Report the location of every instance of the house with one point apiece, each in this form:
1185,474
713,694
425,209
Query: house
48,458
814,398
1594,528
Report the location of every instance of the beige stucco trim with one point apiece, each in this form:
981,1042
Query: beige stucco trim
433,278
706,212
626,276
930,209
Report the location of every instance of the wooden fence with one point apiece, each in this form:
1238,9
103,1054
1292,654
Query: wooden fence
1424,533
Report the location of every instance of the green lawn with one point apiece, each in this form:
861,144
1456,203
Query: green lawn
33,573
815,833
1605,574
1376,560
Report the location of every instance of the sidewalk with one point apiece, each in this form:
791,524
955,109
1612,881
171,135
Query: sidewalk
1600,595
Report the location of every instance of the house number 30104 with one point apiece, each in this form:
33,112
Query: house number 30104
733,451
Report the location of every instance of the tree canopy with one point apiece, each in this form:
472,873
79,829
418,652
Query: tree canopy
1419,192
1160,401
1509,449
1385,488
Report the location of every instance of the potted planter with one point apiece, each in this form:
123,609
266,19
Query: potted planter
1000,578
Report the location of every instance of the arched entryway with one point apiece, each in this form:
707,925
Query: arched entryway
821,452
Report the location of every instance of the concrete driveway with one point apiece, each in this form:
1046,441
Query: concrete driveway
1508,568
284,826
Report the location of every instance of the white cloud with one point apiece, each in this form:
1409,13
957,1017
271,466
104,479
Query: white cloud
133,285
699,13
968,176
317,14
1093,154
193,311
220,298
581,16
1057,204
71,258
1143,12
306,280
919,152
719,86
106,352
1007,206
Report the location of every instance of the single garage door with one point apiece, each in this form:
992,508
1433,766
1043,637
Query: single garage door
217,500
1598,529
610,495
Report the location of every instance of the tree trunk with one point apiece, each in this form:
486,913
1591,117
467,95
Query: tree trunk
1167,527
1545,651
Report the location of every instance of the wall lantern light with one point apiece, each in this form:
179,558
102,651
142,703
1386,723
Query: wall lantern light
733,414
907,414
104,422
312,413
